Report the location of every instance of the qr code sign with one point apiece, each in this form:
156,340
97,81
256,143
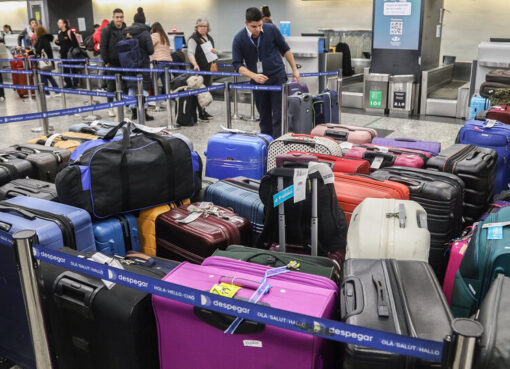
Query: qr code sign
396,27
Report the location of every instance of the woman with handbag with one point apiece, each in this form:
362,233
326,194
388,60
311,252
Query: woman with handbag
43,50
200,45
66,40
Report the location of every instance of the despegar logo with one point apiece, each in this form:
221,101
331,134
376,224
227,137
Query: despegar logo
231,307
133,281
54,258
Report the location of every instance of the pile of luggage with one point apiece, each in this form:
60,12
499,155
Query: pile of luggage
375,224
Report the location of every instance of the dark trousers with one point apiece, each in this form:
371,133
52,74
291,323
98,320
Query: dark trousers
269,106
71,82
111,83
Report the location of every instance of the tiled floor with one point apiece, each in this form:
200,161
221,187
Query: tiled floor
443,130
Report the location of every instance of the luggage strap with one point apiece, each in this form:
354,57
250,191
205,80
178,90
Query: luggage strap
263,289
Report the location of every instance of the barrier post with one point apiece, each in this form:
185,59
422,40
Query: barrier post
26,66
227,105
252,108
171,125
285,114
118,96
236,101
339,88
26,264
43,108
139,96
466,332
62,83
282,243
92,116
155,86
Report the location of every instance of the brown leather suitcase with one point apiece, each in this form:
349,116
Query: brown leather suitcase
193,232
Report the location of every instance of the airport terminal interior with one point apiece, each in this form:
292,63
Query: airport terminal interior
409,69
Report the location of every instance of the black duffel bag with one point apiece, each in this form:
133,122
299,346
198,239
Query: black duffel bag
122,174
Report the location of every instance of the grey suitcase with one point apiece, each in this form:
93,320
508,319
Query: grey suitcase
30,188
300,113
402,297
47,160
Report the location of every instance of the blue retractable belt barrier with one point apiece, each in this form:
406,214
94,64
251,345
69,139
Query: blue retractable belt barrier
337,331
317,74
176,95
71,66
244,86
18,87
15,71
80,92
74,75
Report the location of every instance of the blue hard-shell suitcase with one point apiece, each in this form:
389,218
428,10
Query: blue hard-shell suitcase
242,195
55,225
492,135
117,235
325,107
233,154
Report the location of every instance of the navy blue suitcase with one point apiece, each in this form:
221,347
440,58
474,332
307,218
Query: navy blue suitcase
492,135
233,154
325,107
56,225
117,235
242,195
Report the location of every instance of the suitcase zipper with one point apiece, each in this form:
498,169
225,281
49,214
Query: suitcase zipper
63,222
450,163
126,232
241,185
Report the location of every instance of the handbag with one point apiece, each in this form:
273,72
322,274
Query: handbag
45,65
214,67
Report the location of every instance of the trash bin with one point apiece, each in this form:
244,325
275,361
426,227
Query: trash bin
402,95
376,93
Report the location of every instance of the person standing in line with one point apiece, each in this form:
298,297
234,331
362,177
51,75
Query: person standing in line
140,31
110,36
257,54
161,56
43,42
198,58
66,39
266,14
28,35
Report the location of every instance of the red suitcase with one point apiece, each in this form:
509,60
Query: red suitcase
352,189
193,232
340,165
500,113
20,79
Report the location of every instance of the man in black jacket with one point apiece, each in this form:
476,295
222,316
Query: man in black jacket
110,35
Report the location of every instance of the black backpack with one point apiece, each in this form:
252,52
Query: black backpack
332,223
343,48
89,43
187,110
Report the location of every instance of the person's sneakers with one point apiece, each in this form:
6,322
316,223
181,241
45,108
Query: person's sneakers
208,115
2,99
203,118
111,113
56,94
134,115
148,117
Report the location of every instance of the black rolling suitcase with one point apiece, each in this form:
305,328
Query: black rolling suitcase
442,196
402,297
29,187
494,348
93,327
476,166
13,167
47,160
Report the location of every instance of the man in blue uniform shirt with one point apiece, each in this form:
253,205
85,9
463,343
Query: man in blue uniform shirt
257,54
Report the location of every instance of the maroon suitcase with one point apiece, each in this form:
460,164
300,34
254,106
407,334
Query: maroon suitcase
181,237
500,113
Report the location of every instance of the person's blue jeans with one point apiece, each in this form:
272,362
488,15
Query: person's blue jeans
161,75
132,92
45,79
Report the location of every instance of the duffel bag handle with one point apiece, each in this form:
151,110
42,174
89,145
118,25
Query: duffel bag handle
113,132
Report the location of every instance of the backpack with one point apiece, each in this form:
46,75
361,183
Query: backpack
186,109
89,43
129,52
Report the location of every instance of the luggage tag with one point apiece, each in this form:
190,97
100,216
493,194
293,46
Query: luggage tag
106,260
495,233
382,149
324,170
300,177
225,289
376,164
346,146
490,123
190,218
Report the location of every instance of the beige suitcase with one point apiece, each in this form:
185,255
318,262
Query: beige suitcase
388,229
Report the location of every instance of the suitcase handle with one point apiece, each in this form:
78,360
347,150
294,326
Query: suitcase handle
405,139
76,292
382,305
23,213
337,135
308,142
222,321
406,181
254,285
352,293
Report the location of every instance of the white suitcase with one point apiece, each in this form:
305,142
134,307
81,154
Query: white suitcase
388,229
300,142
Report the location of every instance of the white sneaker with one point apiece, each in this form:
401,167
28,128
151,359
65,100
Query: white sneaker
56,94
111,113
2,99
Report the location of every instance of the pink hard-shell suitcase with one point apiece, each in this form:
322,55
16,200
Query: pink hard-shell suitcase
457,251
342,133
383,156
188,340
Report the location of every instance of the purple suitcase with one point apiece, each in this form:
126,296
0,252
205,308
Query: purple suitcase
408,143
187,340
297,87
